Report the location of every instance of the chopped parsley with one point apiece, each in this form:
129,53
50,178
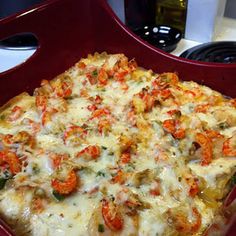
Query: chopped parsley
58,196
223,125
95,73
101,228
2,117
35,169
101,173
2,182
233,180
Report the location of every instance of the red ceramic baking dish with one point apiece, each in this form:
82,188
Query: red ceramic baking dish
70,29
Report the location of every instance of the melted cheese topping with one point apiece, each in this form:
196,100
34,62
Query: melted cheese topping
156,175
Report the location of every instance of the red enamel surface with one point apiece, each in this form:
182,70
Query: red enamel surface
70,29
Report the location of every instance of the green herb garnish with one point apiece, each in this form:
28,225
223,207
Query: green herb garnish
95,73
2,117
100,173
101,228
58,196
35,169
233,180
223,125
2,182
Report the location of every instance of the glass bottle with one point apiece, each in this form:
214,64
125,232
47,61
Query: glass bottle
172,13
139,13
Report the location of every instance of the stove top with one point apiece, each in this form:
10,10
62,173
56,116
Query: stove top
219,52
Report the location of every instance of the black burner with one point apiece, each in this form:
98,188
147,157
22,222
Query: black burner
219,52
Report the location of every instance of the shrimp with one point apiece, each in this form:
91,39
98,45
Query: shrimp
203,108
193,184
57,159
131,117
11,159
155,189
120,76
206,145
81,65
67,186
91,77
212,134
7,139
125,158
233,102
164,80
16,113
47,116
229,147
41,102
198,220
118,222
24,137
175,113
147,98
100,112
172,126
120,177
38,204
32,124
74,134
91,152
104,126
130,202
132,64
181,222
112,216
102,76
62,87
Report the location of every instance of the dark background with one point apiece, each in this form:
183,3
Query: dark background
9,7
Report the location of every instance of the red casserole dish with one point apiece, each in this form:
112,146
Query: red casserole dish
70,29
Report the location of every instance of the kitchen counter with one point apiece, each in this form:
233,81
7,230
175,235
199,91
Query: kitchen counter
228,33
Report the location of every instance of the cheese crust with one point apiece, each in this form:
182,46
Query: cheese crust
109,148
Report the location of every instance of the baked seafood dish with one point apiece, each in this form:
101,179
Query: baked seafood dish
110,148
